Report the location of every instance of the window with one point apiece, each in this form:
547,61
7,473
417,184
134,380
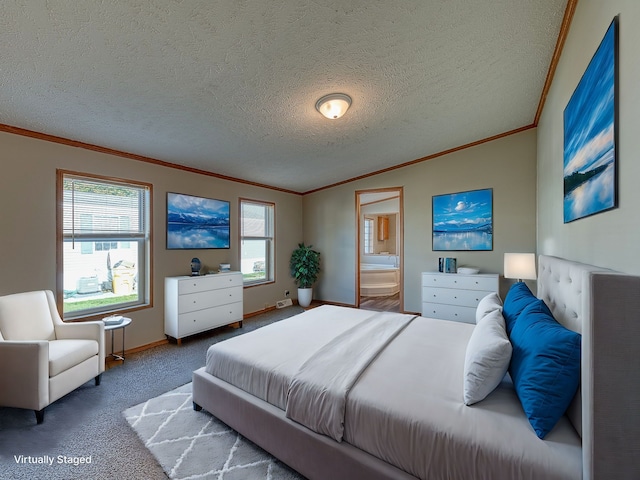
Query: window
256,241
368,235
104,250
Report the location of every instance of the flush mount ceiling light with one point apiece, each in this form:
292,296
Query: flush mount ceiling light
333,105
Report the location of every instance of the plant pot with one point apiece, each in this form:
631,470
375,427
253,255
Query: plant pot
304,297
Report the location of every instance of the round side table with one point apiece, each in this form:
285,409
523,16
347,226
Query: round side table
112,328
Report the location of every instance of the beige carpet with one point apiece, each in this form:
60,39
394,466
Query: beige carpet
196,445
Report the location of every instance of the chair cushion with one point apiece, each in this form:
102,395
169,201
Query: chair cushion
26,316
64,354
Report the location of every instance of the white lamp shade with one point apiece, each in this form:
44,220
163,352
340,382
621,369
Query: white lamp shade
333,105
520,265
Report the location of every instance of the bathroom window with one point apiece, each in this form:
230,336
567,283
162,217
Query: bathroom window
256,241
368,235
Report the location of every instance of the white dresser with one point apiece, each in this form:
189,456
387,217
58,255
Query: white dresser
195,304
454,296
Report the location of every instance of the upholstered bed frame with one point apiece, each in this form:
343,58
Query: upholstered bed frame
604,306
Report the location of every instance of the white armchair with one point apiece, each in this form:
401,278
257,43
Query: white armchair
43,358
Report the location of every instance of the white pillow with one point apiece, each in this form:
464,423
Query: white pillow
487,358
487,305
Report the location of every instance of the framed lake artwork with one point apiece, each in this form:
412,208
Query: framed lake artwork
590,135
197,222
463,221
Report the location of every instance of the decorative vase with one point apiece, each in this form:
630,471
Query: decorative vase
195,266
304,297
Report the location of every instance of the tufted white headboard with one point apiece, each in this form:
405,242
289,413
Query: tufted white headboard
604,306
560,286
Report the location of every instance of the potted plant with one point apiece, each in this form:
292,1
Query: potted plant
305,266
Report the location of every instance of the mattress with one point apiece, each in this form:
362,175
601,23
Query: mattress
406,407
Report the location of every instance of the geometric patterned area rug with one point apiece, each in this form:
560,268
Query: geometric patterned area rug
196,445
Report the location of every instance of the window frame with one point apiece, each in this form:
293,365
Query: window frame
368,236
144,242
270,242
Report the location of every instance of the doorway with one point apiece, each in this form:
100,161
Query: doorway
379,269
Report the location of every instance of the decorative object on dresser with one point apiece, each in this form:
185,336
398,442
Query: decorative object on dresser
468,270
455,296
196,265
196,304
450,265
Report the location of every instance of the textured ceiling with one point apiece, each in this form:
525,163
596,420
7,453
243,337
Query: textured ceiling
230,86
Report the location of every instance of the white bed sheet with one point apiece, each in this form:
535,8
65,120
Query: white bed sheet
407,407
263,362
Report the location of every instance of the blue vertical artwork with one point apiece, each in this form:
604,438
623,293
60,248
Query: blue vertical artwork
463,221
590,136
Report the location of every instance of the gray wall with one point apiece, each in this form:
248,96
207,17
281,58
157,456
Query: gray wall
28,220
508,165
609,239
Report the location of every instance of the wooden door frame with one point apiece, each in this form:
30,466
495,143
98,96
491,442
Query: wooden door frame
400,253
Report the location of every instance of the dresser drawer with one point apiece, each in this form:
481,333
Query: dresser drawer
195,304
201,320
488,283
449,312
199,301
208,282
467,298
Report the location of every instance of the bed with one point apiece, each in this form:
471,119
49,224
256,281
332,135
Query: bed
401,416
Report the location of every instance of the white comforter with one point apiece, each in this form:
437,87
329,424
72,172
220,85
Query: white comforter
407,407
318,391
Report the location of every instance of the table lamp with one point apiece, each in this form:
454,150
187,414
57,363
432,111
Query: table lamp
521,266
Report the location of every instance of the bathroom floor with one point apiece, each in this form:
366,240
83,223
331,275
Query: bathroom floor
381,304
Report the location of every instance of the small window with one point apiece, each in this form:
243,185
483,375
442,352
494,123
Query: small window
256,241
368,235
105,247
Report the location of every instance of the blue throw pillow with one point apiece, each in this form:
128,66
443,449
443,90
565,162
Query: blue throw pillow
545,366
518,298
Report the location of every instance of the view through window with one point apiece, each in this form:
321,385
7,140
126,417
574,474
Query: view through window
256,241
368,235
105,244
